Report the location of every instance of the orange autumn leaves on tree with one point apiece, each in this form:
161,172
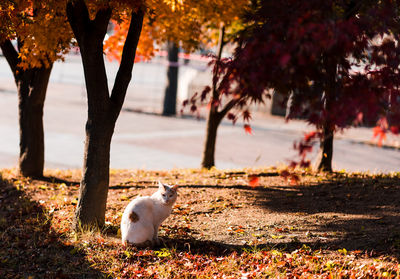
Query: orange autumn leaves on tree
41,29
164,20
113,46
187,22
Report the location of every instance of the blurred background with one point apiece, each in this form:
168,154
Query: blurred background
144,138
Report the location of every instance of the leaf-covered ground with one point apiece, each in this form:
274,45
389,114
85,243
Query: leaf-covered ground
342,225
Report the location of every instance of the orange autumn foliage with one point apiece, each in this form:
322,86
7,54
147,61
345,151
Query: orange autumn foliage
113,46
43,33
189,23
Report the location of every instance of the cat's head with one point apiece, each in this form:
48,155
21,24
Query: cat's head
168,193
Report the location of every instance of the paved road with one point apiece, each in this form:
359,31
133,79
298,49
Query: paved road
147,140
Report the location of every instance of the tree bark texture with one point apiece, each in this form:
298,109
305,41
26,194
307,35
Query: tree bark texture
324,157
91,208
215,115
325,154
103,108
32,88
213,122
169,107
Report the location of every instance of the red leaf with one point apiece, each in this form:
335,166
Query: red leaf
205,92
246,115
294,179
285,174
253,181
380,134
305,164
231,116
310,136
293,165
394,129
193,99
248,129
291,177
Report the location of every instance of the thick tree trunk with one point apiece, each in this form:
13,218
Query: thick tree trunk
324,157
95,177
90,211
213,122
32,88
169,107
103,109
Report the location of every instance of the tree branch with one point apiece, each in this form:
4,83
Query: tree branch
228,107
11,55
100,22
90,35
78,17
124,74
219,56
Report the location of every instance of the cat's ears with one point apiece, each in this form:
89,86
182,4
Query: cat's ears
161,186
164,186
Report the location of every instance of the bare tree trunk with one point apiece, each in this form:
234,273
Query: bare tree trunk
169,107
213,121
324,157
32,88
103,109
92,202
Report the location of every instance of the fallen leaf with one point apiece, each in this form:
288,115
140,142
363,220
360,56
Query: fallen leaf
254,181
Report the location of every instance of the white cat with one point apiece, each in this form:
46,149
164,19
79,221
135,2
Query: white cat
144,215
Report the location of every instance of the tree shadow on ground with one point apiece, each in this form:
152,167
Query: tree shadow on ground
54,179
362,213
28,244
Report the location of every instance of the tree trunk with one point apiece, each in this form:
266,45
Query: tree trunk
324,158
103,109
169,107
90,211
215,116
213,122
32,87
92,202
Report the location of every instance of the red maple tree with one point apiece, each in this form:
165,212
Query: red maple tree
336,61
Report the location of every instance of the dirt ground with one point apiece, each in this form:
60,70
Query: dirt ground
355,212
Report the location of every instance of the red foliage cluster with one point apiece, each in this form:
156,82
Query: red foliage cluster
336,61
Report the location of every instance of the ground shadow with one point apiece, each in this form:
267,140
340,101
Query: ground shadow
363,213
28,245
54,179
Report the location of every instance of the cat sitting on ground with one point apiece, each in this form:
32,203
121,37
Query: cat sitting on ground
144,215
